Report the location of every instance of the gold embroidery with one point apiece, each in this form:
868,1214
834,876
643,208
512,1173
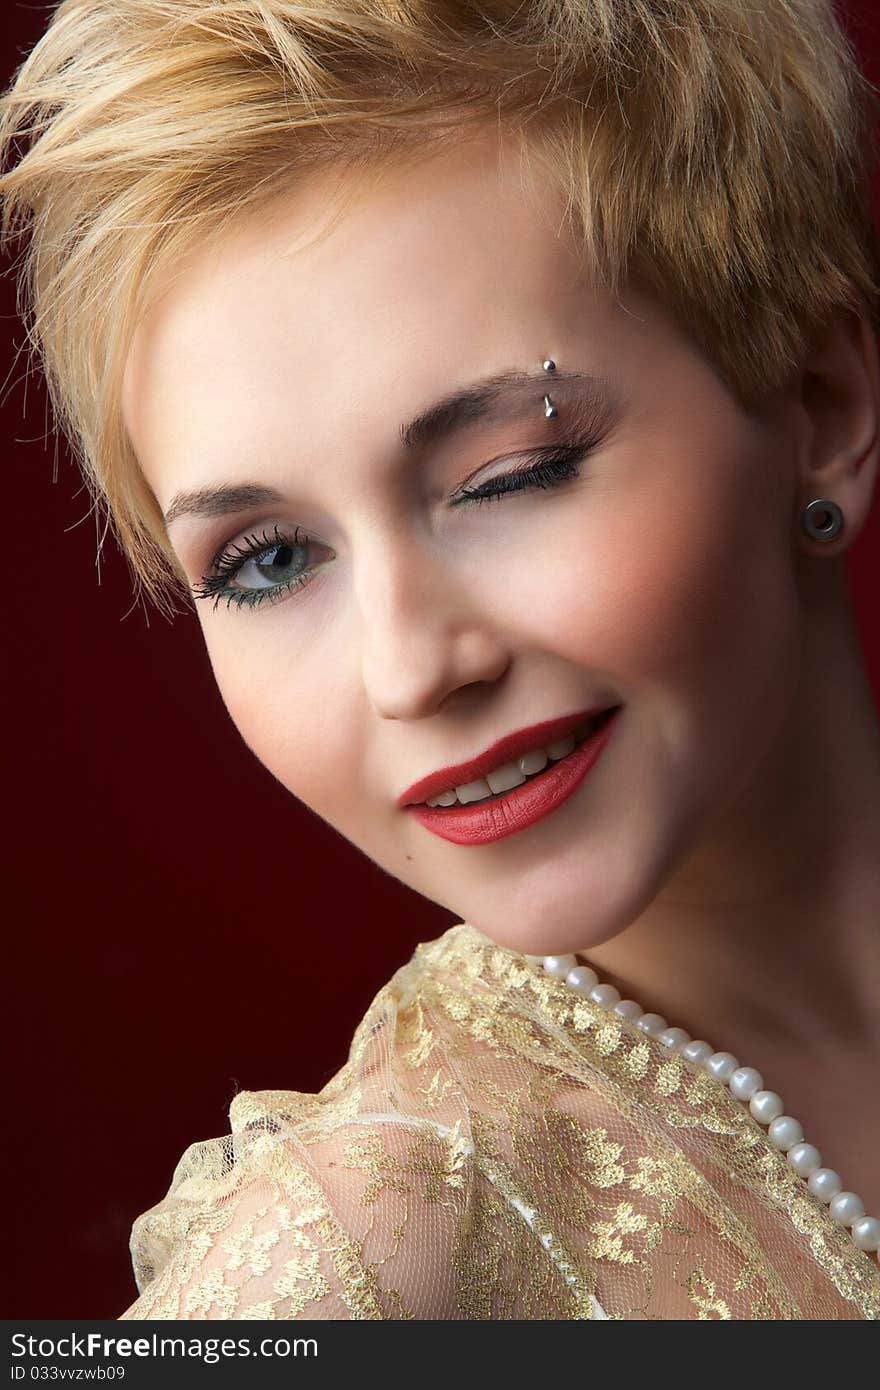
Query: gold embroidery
495,1146
706,1301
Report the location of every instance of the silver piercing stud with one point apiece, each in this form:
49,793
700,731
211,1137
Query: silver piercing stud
549,408
821,519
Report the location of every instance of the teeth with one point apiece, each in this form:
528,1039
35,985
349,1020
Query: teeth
444,799
529,763
504,779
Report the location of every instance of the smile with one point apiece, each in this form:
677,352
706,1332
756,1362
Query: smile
513,774
476,814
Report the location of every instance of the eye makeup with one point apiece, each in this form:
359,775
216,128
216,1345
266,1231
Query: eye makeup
545,469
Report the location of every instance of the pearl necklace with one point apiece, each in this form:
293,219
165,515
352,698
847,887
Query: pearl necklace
745,1083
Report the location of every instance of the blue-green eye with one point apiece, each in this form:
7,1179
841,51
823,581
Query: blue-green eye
274,556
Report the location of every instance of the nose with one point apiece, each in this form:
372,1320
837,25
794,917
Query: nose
425,631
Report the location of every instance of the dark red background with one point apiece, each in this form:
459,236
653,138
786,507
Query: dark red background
180,927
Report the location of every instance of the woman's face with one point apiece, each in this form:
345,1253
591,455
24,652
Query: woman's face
657,574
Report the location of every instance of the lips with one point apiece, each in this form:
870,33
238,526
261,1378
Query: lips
506,750
492,819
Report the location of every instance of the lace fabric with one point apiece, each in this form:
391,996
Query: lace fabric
495,1147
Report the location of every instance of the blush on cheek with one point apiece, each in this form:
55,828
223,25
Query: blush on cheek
696,580
642,607
678,599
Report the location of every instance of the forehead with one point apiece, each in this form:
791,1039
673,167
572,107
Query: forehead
439,270
412,241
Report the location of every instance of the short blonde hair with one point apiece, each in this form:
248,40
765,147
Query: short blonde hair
725,145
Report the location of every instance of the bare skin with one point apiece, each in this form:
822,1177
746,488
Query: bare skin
721,863
785,973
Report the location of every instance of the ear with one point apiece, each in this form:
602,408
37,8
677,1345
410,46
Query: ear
839,404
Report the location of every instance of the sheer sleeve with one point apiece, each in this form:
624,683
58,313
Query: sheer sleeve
357,1225
378,1197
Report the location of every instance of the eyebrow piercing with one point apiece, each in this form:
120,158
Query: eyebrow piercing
549,408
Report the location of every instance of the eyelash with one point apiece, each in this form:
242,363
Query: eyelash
551,468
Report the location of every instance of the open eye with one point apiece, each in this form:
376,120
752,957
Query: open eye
271,566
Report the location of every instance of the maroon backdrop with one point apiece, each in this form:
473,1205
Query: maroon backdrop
155,970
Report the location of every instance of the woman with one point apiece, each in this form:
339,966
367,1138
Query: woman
609,266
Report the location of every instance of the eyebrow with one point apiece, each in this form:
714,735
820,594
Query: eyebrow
493,399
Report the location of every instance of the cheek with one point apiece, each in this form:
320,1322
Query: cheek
299,712
686,591
280,701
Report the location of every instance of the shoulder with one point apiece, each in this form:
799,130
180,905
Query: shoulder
411,1186
357,1223
340,1204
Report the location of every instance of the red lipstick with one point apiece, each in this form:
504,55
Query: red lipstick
494,818
504,751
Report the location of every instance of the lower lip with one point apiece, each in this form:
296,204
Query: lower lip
485,821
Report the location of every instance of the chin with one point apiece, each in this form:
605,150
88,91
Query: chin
548,930
566,915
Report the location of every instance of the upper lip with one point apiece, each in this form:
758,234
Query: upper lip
504,751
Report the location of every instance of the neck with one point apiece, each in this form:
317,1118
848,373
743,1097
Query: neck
790,956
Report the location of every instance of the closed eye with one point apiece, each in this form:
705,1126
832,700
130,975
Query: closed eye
553,466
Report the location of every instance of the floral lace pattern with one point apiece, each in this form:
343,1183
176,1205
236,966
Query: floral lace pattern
495,1147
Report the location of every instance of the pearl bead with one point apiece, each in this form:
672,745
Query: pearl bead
784,1132
846,1208
559,965
824,1183
606,995
722,1065
627,1008
766,1106
582,978
745,1082
655,1024
804,1159
866,1232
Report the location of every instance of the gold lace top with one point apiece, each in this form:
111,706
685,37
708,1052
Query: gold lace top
495,1146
